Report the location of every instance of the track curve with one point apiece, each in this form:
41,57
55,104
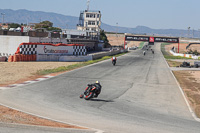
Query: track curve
139,94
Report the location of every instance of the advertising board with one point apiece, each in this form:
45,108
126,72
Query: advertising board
152,39
60,50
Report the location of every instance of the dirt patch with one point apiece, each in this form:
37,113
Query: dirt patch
17,72
190,83
118,40
8,115
182,47
172,63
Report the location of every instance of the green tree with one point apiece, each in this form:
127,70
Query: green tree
54,29
104,38
14,25
47,25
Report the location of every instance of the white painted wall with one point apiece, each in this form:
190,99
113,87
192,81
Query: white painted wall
63,58
184,55
9,44
75,58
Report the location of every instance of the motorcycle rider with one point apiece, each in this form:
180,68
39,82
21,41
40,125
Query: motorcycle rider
98,89
144,52
114,59
152,51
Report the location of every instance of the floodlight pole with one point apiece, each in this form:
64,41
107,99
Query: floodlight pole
3,17
178,45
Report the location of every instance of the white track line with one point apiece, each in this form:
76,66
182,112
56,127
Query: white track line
26,82
42,117
190,109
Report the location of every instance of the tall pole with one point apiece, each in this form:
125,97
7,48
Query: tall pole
188,32
125,42
116,33
3,17
88,5
178,45
193,34
116,29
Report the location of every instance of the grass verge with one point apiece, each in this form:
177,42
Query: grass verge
72,67
141,44
175,57
173,63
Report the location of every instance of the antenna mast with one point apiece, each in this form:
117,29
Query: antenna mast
88,5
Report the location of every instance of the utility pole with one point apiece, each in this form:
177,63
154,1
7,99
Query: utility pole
88,5
117,34
116,29
193,34
188,32
3,14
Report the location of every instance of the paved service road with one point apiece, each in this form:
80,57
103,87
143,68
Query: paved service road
139,95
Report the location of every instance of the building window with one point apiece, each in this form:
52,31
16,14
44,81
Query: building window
90,15
91,22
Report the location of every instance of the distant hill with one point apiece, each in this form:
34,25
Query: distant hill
25,16
70,22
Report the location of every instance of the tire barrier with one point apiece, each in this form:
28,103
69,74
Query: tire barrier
3,58
10,58
48,52
21,57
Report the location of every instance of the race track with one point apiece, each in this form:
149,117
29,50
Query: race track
139,95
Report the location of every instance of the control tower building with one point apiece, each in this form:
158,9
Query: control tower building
90,21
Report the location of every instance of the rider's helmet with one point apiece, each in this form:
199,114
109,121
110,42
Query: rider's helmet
97,82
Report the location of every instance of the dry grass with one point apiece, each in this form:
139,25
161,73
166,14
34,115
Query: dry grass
190,83
16,72
173,63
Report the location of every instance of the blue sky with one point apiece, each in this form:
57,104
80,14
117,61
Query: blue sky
157,14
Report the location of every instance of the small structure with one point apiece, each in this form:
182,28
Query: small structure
89,21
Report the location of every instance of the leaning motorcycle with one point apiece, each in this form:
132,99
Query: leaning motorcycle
89,92
114,62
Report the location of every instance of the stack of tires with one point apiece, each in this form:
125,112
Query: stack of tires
21,57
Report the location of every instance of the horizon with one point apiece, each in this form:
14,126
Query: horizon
103,22
129,13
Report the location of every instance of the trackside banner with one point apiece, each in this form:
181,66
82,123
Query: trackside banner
51,49
166,39
60,50
136,38
152,39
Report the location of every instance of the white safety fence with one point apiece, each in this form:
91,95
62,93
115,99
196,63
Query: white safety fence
184,55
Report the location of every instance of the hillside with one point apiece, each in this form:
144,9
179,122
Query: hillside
70,22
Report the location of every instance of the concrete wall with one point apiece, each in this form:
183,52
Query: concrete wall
75,58
63,58
102,54
9,44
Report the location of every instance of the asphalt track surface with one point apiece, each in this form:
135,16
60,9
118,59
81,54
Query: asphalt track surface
139,95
